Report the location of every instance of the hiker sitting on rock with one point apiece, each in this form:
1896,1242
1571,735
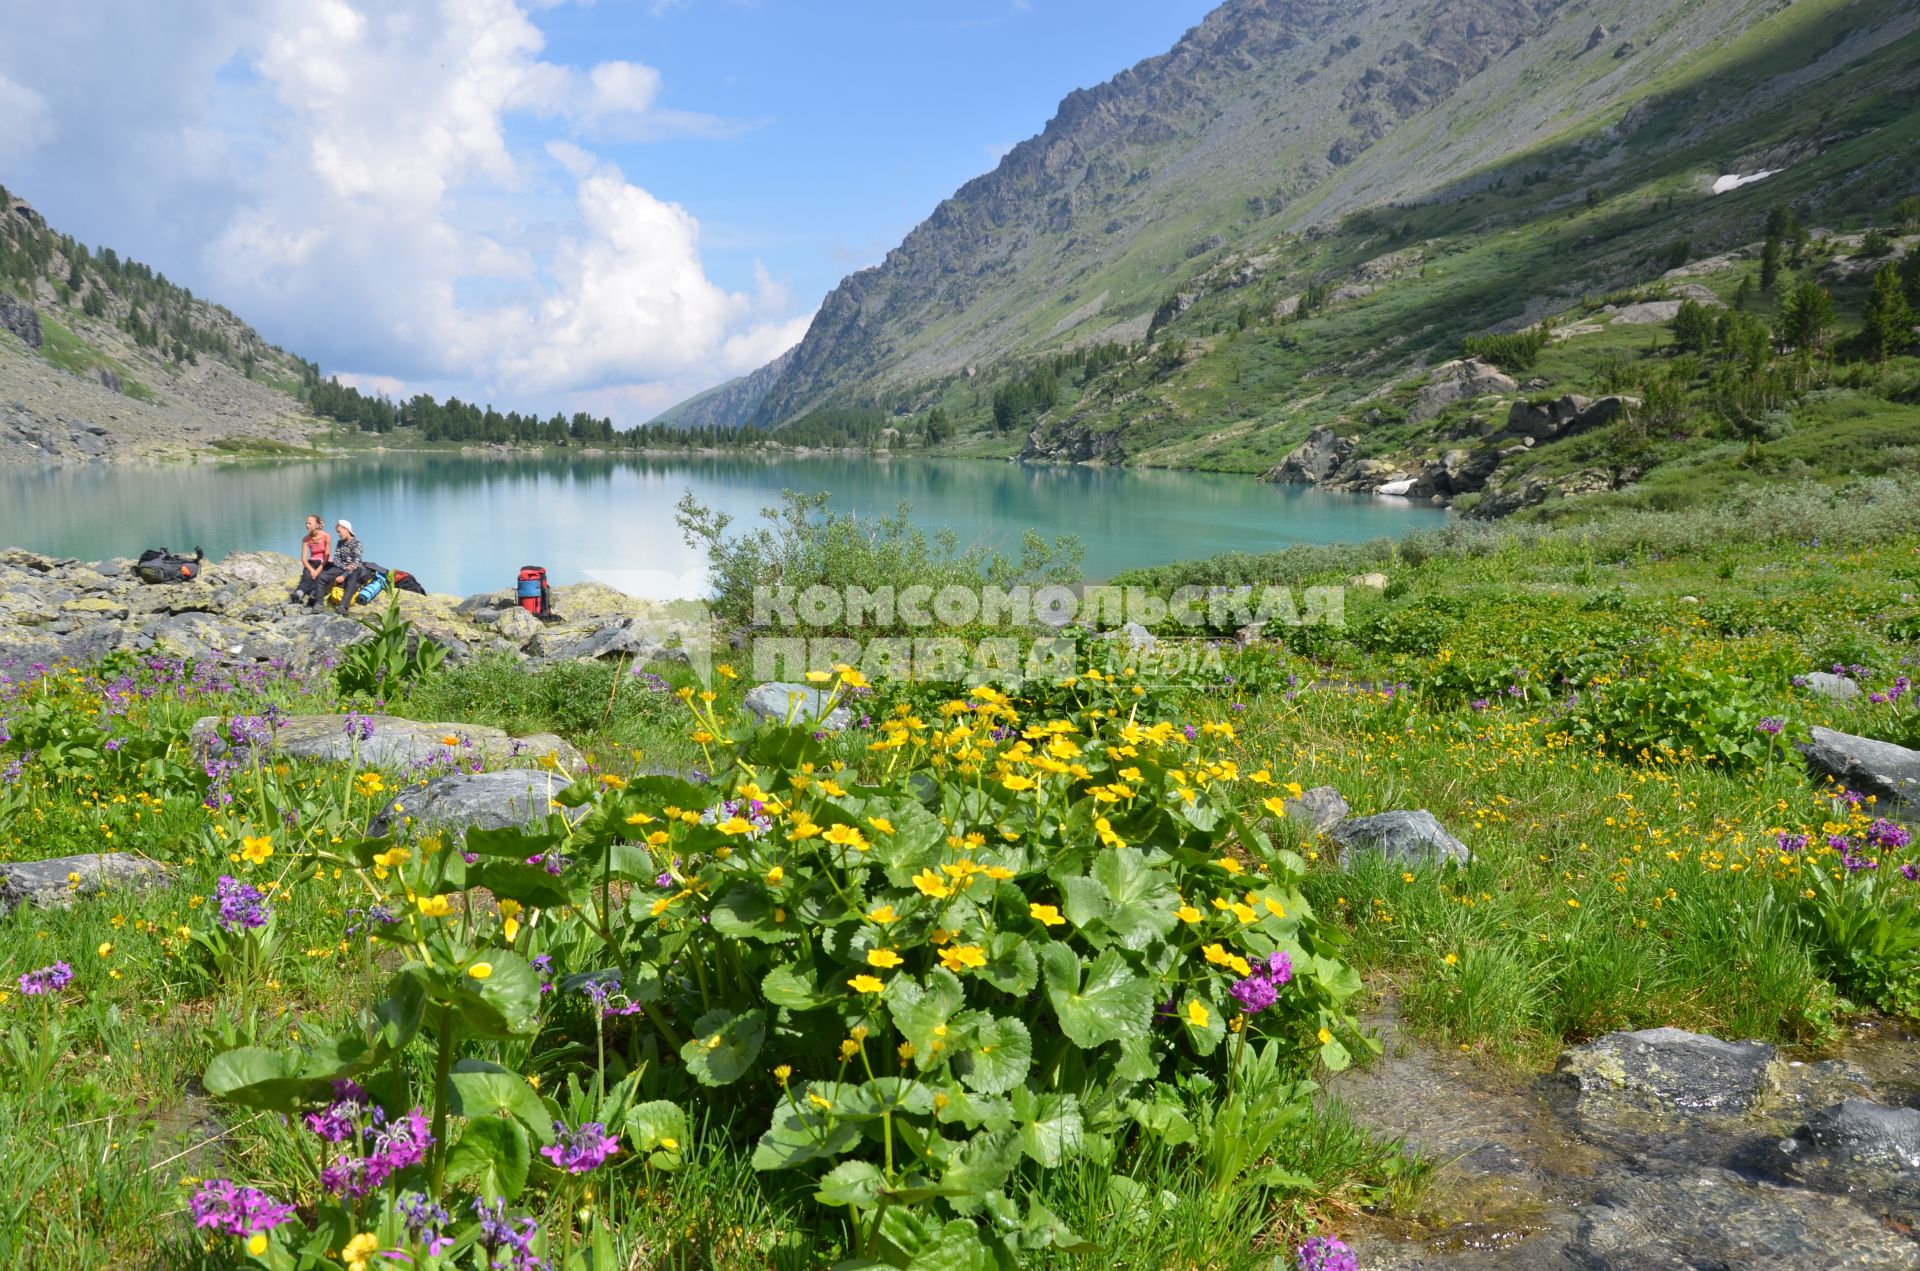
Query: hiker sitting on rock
349,570
316,552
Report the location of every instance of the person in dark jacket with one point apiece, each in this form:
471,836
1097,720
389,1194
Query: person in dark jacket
349,570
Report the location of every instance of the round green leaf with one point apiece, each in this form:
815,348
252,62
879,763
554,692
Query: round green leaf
724,1045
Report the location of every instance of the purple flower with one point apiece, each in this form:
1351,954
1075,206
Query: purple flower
513,1237
426,1222
1279,967
1255,994
48,979
1792,842
1885,834
1480,703
248,730
1324,1253
242,905
359,727
1770,726
1911,873
222,1206
339,1121
1193,734
580,1150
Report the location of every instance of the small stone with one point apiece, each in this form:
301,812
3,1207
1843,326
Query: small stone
56,883
1322,808
1859,1132
778,700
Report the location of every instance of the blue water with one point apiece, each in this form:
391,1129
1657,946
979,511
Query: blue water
467,523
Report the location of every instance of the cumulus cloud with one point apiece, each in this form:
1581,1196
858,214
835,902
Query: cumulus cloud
25,124
413,190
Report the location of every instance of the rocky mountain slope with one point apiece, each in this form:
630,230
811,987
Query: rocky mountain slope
1288,145
726,405
103,358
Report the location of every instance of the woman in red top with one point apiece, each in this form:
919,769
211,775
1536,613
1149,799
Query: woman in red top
316,551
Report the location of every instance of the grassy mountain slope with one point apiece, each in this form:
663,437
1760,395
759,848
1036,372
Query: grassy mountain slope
1429,170
102,357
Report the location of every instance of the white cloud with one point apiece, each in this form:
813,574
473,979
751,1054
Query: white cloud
382,183
24,122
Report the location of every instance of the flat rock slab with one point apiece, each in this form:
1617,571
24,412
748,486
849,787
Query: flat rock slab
1406,838
1669,1070
779,700
394,743
1827,684
504,800
1888,772
57,882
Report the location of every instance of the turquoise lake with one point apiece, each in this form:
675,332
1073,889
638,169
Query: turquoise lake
467,523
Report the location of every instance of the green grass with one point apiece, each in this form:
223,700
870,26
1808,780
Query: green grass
262,448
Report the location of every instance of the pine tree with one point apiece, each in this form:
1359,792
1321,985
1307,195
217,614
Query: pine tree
1770,264
1806,316
1889,326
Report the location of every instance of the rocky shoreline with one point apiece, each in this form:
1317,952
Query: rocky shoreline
55,609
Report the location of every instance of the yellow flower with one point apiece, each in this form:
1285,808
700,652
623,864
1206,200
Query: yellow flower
1573,904
847,836
774,876
783,1073
905,1051
257,1243
886,959
963,957
866,984
1325,1037
1188,914
360,1251
449,739
613,781
1229,864
1015,782
434,906
106,949
1047,915
818,677
727,672
735,825
370,783
480,970
1197,1013
931,884
852,678
639,818
849,1048
1275,805
1452,958
256,849
883,915
881,824
671,1144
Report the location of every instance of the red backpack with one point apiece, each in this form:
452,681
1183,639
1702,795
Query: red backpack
533,594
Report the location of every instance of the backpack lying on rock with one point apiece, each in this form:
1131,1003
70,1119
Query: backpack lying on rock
160,565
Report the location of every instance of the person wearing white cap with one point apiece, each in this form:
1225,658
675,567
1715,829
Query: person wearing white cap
348,571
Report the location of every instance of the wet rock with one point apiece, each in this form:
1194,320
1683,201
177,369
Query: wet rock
394,743
1888,772
1320,808
778,699
1860,1132
1668,1069
507,799
1827,684
57,882
1406,838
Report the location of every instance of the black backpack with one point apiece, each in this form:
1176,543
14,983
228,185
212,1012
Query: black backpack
160,565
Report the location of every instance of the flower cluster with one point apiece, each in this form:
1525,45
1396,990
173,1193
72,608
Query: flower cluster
223,1206
48,979
242,905
1324,1253
580,1150
1262,989
505,1237
390,1146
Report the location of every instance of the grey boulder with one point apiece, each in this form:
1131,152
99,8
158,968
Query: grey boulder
1827,684
1322,808
508,799
393,743
1407,838
1669,1070
56,883
1888,772
779,701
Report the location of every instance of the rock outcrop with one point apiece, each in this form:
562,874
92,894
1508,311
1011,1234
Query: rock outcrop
1403,838
19,317
1888,772
507,799
780,701
238,611
1669,1070
388,742
1458,381
58,882
1316,459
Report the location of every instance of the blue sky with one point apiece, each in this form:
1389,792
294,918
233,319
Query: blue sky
604,206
